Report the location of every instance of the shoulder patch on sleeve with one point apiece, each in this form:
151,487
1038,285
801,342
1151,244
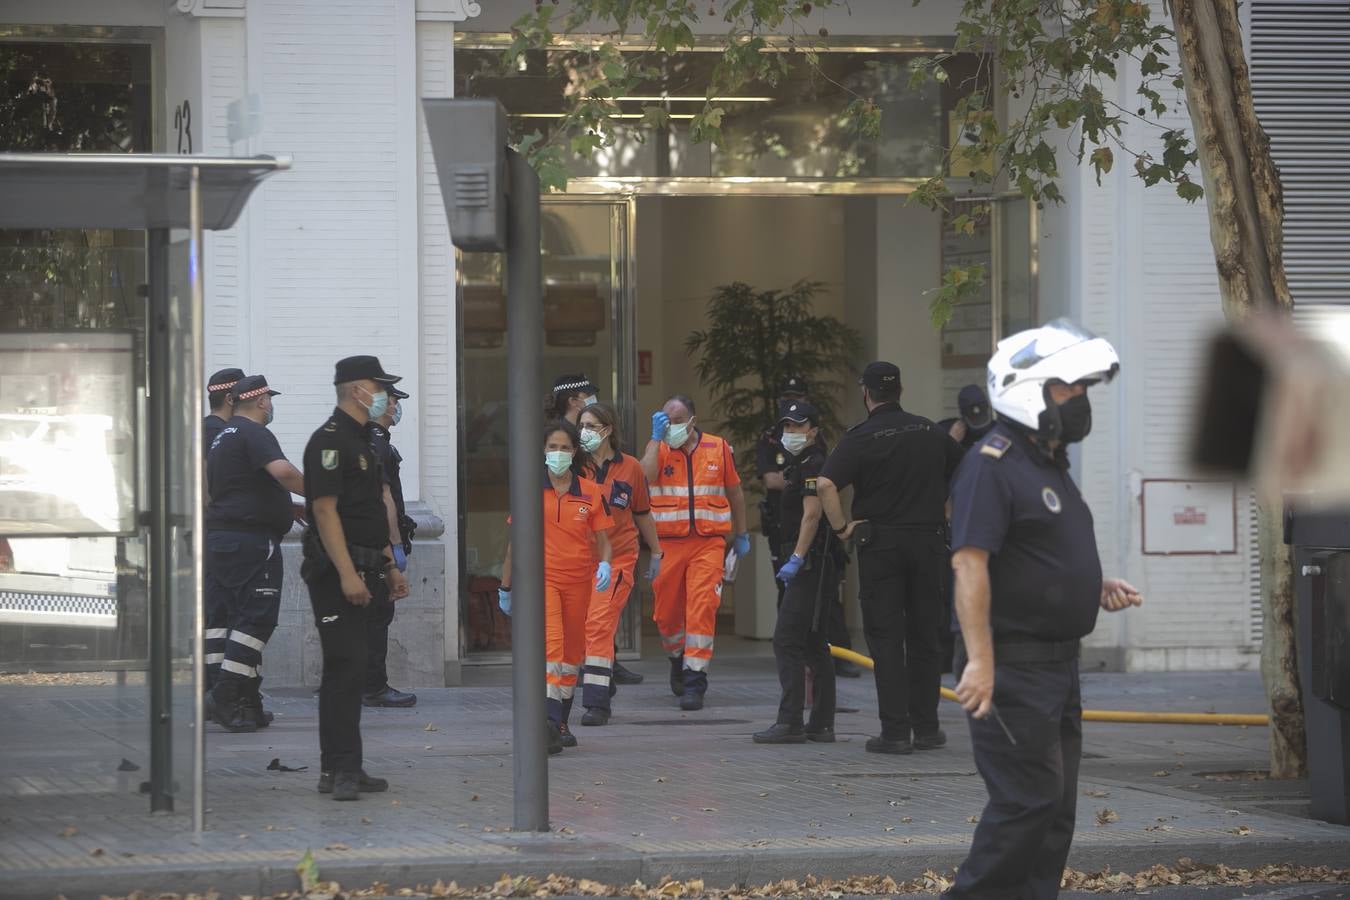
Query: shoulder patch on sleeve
995,446
329,459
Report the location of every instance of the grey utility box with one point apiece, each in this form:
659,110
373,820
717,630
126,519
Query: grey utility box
468,138
1321,553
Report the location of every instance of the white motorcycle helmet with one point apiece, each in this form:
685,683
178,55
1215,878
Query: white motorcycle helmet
1025,363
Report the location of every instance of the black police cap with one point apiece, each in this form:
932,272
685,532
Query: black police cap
577,382
250,387
798,411
222,381
880,376
362,368
793,386
974,404
397,394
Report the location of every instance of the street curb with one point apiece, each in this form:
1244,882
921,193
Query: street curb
609,865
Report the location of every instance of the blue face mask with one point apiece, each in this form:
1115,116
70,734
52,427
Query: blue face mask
558,461
588,401
379,404
398,414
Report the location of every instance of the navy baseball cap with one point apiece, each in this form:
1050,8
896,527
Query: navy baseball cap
251,386
362,368
793,386
798,411
880,376
974,405
222,381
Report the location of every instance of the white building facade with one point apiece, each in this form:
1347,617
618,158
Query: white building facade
349,253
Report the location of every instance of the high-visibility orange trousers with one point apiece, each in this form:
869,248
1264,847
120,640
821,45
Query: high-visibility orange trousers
688,592
602,621
565,608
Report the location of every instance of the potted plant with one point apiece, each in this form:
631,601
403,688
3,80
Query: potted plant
754,340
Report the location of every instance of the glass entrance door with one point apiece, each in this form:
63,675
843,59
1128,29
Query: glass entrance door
588,315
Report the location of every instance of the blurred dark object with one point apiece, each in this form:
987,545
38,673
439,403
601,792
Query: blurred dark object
1275,408
1321,556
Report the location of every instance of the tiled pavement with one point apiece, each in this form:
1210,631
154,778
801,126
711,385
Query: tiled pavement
657,792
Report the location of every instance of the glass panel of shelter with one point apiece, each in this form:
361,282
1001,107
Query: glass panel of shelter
584,250
73,610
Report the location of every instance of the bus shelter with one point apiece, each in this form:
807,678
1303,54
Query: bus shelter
101,473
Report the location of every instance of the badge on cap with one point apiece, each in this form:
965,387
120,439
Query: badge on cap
329,459
1051,500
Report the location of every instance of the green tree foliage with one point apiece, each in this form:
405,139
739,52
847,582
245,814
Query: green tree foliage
72,98
1054,60
756,339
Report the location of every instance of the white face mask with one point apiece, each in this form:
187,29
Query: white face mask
794,442
677,435
590,440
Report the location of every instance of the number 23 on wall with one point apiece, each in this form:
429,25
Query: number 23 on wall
182,121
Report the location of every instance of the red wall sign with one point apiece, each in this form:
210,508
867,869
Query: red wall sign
644,367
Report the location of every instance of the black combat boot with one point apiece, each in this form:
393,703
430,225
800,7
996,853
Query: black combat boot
232,710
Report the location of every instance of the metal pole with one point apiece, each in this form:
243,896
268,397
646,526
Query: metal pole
160,675
524,346
197,276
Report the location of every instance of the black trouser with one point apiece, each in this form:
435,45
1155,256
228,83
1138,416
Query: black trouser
777,556
832,616
1022,842
379,617
344,635
243,601
799,640
901,594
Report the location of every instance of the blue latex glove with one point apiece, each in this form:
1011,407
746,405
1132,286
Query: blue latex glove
602,576
654,568
660,422
742,544
790,568
400,558
504,599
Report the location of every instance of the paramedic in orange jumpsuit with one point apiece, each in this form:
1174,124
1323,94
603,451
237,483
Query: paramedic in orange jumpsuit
697,503
576,564
624,487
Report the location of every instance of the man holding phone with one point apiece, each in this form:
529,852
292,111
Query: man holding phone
899,465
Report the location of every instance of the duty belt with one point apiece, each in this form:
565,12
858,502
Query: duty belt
367,559
1028,650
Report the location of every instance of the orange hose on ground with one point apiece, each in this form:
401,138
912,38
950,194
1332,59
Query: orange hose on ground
1108,715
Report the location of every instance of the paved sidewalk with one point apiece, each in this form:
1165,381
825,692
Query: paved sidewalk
658,792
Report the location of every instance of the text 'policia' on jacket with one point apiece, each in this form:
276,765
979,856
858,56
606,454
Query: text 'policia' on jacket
689,495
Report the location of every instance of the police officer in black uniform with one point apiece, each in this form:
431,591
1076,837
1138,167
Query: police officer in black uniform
401,527
899,465
250,483
348,564
975,420
811,575
217,613
770,461
967,429
1028,587
218,397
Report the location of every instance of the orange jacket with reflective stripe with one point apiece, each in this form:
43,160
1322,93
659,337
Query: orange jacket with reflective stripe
689,495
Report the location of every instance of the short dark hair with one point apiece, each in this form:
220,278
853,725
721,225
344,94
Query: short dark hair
884,395
217,399
685,400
